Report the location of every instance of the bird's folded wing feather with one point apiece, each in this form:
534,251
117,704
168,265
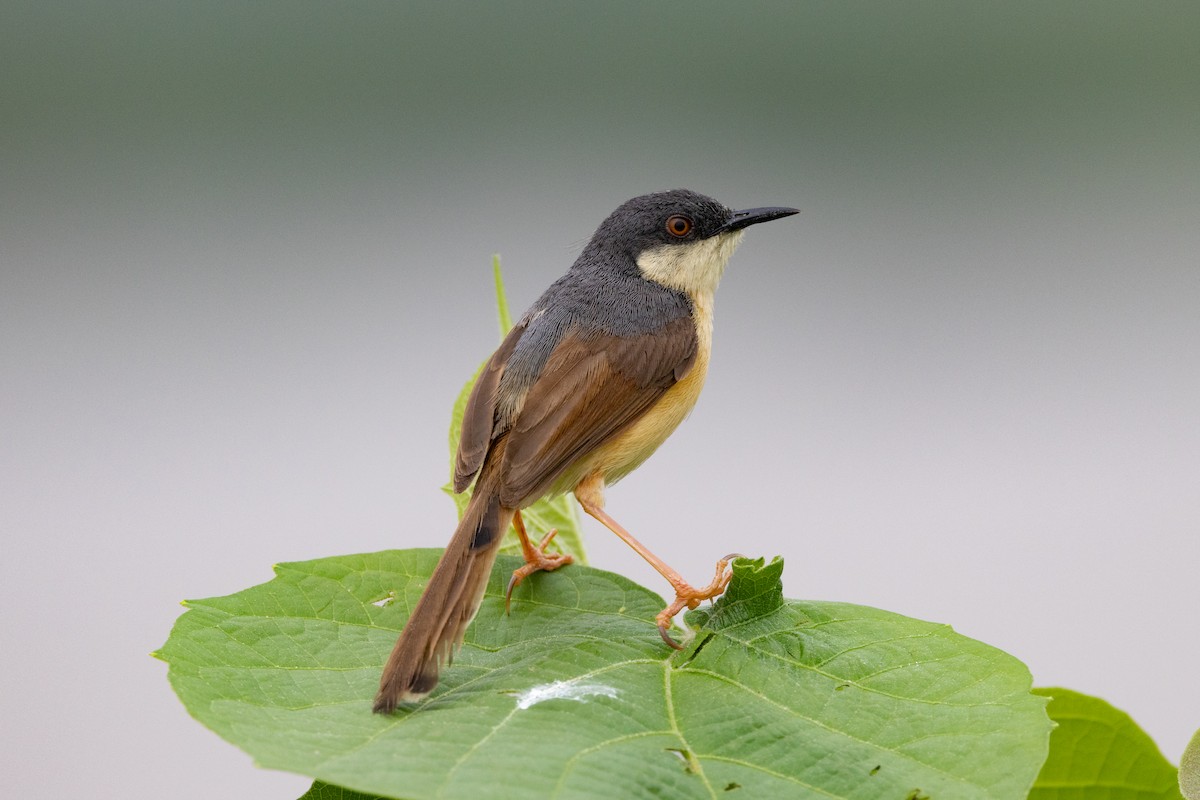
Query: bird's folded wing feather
479,415
591,388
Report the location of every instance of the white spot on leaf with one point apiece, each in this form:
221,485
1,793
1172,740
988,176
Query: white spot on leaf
563,690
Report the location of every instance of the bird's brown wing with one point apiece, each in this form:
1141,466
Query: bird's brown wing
591,389
479,415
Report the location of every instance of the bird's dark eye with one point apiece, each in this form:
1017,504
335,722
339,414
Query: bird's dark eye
679,226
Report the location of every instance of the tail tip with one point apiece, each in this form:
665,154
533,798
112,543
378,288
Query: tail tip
391,695
385,703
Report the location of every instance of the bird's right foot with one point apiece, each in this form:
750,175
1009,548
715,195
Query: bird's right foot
687,596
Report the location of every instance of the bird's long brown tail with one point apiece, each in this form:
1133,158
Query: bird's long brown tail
436,627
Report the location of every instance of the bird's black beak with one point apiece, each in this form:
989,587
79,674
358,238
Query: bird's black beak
753,216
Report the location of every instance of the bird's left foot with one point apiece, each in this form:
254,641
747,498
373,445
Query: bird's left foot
536,560
687,596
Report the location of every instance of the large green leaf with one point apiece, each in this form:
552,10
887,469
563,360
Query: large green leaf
575,696
1098,753
555,513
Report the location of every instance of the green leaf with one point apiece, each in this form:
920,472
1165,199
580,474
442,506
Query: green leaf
756,593
575,696
1189,769
1098,752
558,513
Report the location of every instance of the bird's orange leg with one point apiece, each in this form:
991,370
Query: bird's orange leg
536,557
589,493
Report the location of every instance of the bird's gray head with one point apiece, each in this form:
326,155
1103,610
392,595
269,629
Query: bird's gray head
680,239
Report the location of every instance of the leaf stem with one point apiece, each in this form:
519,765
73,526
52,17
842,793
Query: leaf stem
501,299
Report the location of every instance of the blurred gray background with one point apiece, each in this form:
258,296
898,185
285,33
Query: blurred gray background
245,260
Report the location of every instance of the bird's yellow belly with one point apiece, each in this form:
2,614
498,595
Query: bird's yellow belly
626,452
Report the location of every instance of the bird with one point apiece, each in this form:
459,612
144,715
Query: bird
599,371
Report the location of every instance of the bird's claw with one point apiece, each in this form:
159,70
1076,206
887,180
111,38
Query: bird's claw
686,596
536,560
